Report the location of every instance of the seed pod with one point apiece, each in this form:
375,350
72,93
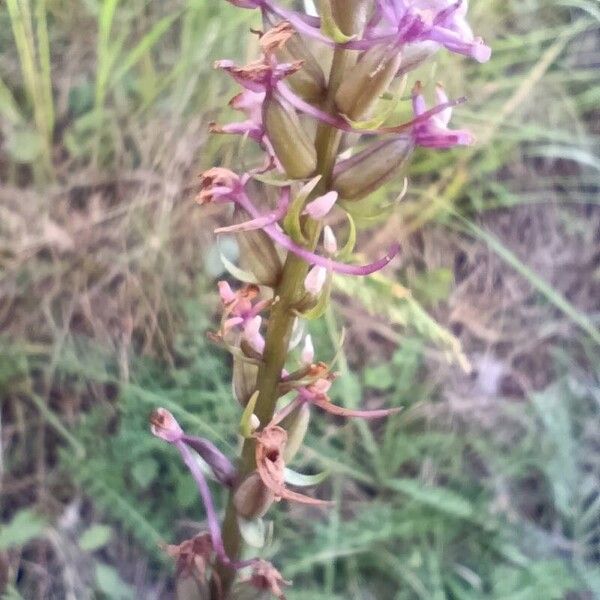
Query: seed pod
414,55
293,147
309,81
296,425
244,380
367,81
257,252
358,176
350,15
252,498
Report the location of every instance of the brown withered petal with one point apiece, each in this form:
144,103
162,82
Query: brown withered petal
270,445
216,176
324,403
192,556
266,577
276,37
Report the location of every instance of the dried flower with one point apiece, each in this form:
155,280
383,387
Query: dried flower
266,577
270,445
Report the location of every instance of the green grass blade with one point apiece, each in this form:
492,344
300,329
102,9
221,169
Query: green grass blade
145,44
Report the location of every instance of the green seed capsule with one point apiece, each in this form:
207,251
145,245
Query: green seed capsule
296,425
368,170
252,498
293,148
244,380
257,252
367,81
309,81
350,15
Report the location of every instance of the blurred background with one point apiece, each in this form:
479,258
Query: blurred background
488,483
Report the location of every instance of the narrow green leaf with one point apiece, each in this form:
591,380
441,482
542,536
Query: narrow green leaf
350,244
145,44
291,223
245,424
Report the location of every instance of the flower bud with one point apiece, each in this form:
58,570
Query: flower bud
257,252
252,498
164,425
358,176
320,207
296,425
307,355
315,280
291,144
244,380
367,81
329,241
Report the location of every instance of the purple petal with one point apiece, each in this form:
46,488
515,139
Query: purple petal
221,466
211,514
277,235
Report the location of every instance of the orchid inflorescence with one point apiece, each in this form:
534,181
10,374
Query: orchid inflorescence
325,148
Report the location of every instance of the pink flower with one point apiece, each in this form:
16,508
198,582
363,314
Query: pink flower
315,280
321,206
252,334
308,351
434,131
329,241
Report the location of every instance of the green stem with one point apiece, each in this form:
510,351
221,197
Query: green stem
281,319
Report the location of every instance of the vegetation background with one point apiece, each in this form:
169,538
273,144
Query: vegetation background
487,485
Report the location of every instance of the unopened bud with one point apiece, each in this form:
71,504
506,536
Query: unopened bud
164,425
254,422
329,241
292,146
244,380
358,176
252,498
258,253
296,425
308,351
315,280
320,207
367,81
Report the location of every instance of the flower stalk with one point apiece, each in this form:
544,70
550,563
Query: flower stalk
289,251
